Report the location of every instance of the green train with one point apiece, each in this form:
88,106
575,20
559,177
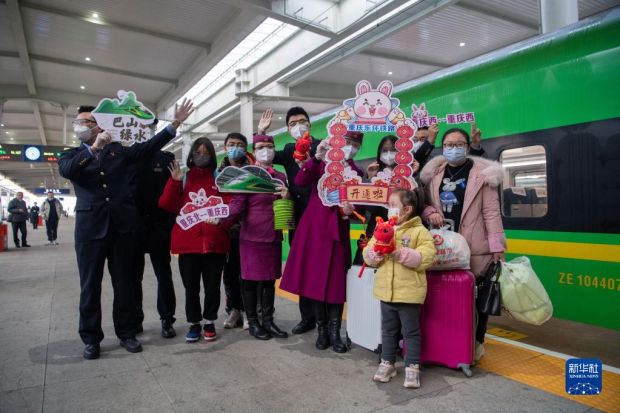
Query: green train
549,109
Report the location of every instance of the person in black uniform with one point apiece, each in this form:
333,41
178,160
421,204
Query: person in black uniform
154,239
34,215
297,122
106,221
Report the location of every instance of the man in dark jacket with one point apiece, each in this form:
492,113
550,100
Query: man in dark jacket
18,218
34,215
154,239
297,122
106,221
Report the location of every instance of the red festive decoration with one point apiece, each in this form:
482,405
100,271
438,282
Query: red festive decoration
302,147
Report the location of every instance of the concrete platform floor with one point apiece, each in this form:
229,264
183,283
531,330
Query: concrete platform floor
41,367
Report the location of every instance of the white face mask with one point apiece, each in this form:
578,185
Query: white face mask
82,132
416,145
298,130
349,152
388,157
393,212
265,155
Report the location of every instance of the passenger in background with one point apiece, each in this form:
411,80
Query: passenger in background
106,221
298,123
400,285
202,248
237,155
320,256
18,217
260,245
154,239
34,216
464,189
51,209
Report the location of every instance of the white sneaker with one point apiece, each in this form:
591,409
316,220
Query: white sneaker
412,376
385,372
234,319
50,243
55,242
246,323
479,351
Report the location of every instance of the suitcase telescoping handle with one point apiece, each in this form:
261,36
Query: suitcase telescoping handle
447,224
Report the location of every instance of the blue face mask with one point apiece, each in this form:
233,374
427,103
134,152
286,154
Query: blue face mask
235,153
455,155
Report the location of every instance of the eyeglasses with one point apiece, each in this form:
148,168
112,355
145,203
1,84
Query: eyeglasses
80,122
459,145
301,122
416,140
235,145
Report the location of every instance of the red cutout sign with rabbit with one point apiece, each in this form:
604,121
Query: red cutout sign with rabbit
371,110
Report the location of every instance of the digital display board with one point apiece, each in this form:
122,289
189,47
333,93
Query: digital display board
31,153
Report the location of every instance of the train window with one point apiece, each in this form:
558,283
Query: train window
524,190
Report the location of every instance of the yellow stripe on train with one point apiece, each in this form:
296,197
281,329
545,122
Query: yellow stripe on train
573,250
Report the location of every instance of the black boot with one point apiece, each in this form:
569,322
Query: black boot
322,341
320,314
249,301
267,300
335,321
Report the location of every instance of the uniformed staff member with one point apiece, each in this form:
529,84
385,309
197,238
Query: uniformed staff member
106,219
155,239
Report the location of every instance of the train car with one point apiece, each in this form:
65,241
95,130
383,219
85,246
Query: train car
549,109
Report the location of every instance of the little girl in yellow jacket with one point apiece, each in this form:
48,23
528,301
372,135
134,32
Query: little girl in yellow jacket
400,284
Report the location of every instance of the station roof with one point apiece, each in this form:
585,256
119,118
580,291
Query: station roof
58,54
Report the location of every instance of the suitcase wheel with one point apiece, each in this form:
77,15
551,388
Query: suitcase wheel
466,370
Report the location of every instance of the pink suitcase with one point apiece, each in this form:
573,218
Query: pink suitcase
447,320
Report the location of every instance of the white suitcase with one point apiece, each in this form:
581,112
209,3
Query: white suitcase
363,309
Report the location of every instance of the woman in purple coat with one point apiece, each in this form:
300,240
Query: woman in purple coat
320,256
260,245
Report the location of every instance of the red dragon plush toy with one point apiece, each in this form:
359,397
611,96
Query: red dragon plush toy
384,239
384,234
302,147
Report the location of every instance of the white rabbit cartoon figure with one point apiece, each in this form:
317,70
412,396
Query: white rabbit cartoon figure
419,111
446,196
200,198
372,106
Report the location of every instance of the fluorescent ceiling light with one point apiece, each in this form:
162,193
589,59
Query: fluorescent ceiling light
266,37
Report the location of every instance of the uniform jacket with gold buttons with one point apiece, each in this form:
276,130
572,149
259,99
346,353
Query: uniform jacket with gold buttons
102,184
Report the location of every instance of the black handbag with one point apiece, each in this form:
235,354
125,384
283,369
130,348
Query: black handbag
489,298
